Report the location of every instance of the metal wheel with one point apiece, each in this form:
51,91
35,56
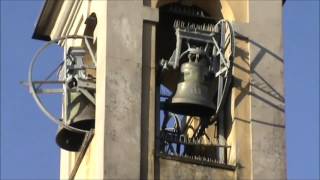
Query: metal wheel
34,86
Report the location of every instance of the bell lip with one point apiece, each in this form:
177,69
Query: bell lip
76,138
190,109
73,136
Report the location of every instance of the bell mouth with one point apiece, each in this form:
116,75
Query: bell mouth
190,109
72,141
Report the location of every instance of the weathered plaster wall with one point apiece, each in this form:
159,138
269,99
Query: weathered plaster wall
267,90
124,69
123,146
71,21
148,106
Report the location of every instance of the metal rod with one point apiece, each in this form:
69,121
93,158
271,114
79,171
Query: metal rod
88,95
221,130
26,83
51,74
65,110
90,51
178,50
49,91
196,36
87,139
195,161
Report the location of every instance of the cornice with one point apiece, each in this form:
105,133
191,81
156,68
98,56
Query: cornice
47,19
55,18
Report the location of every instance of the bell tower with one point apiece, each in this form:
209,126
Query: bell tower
167,89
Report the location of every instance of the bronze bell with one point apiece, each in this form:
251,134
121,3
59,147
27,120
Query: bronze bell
195,91
81,115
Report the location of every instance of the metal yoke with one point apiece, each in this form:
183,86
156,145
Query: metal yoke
79,100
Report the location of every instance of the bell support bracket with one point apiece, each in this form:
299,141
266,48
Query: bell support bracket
72,77
220,63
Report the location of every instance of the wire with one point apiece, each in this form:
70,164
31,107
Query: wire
50,75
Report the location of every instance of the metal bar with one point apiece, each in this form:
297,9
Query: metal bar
90,51
87,139
190,119
196,36
49,91
189,141
221,71
221,131
26,83
81,67
164,96
88,95
86,84
65,111
156,167
51,74
48,82
209,163
178,49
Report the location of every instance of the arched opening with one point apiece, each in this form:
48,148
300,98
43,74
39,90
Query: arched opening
184,136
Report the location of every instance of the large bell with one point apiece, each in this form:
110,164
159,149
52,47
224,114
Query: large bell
81,115
195,91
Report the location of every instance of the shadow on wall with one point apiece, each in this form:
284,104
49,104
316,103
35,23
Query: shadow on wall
274,98
261,83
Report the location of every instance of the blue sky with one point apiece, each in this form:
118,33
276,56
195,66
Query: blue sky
28,149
